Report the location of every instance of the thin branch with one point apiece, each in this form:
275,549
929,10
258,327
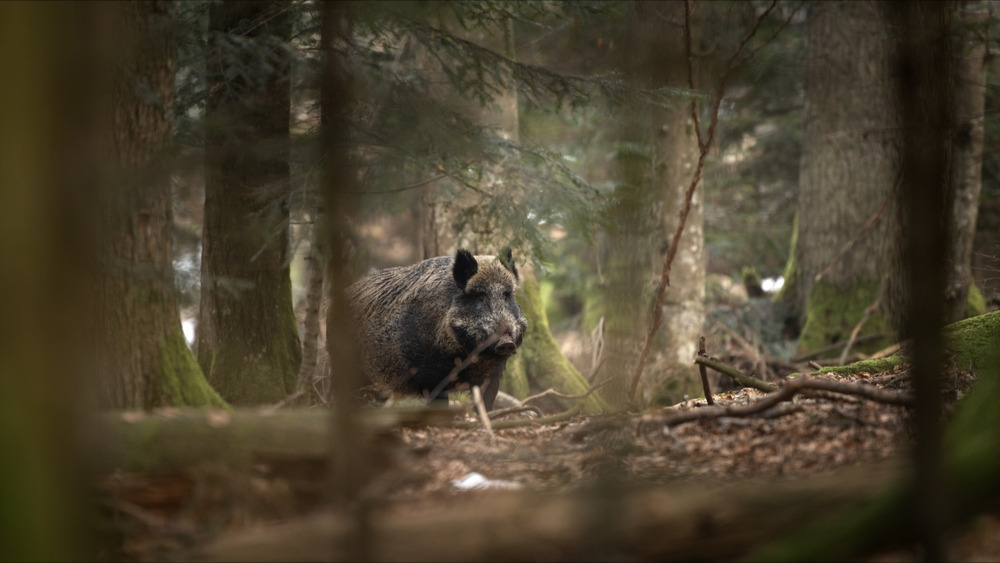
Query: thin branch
581,396
503,424
786,393
868,224
738,377
704,372
477,397
864,318
453,376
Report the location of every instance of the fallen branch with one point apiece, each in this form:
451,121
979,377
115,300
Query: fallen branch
502,424
744,380
785,393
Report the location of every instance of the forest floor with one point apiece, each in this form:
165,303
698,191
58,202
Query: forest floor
172,516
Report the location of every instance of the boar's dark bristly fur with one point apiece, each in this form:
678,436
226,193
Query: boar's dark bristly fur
418,322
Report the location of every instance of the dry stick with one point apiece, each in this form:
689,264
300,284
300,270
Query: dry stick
758,358
837,346
704,372
843,251
581,396
703,146
471,358
864,318
744,380
786,393
502,424
477,396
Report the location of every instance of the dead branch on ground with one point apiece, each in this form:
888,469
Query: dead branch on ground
738,377
786,393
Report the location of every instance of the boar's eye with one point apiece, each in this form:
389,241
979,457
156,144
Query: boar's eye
507,294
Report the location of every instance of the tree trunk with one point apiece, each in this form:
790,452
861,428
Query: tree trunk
675,153
849,167
143,358
656,157
248,342
967,155
52,104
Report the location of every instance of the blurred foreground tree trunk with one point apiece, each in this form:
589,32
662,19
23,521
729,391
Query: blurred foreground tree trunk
248,342
53,58
143,359
849,166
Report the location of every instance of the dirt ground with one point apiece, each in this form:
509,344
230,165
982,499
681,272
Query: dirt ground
164,517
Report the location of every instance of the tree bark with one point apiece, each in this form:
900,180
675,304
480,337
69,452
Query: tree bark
849,167
967,154
656,155
143,358
248,342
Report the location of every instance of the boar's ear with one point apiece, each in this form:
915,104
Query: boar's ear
507,259
465,267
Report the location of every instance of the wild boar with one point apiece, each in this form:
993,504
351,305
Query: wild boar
418,323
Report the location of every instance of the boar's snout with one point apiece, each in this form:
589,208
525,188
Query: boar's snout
505,346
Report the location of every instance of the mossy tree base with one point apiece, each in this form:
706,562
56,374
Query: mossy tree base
540,364
832,313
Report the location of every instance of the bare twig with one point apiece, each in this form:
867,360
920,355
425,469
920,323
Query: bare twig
477,397
453,376
815,365
704,372
843,251
738,377
864,318
837,346
786,393
286,401
514,410
581,396
503,424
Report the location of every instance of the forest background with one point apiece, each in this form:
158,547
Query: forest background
192,178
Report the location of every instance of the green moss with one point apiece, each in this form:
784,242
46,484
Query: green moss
832,313
515,379
972,340
975,304
543,363
180,381
787,293
865,366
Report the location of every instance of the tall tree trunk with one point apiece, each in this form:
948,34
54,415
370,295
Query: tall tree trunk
675,153
967,154
248,342
143,358
849,167
656,160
